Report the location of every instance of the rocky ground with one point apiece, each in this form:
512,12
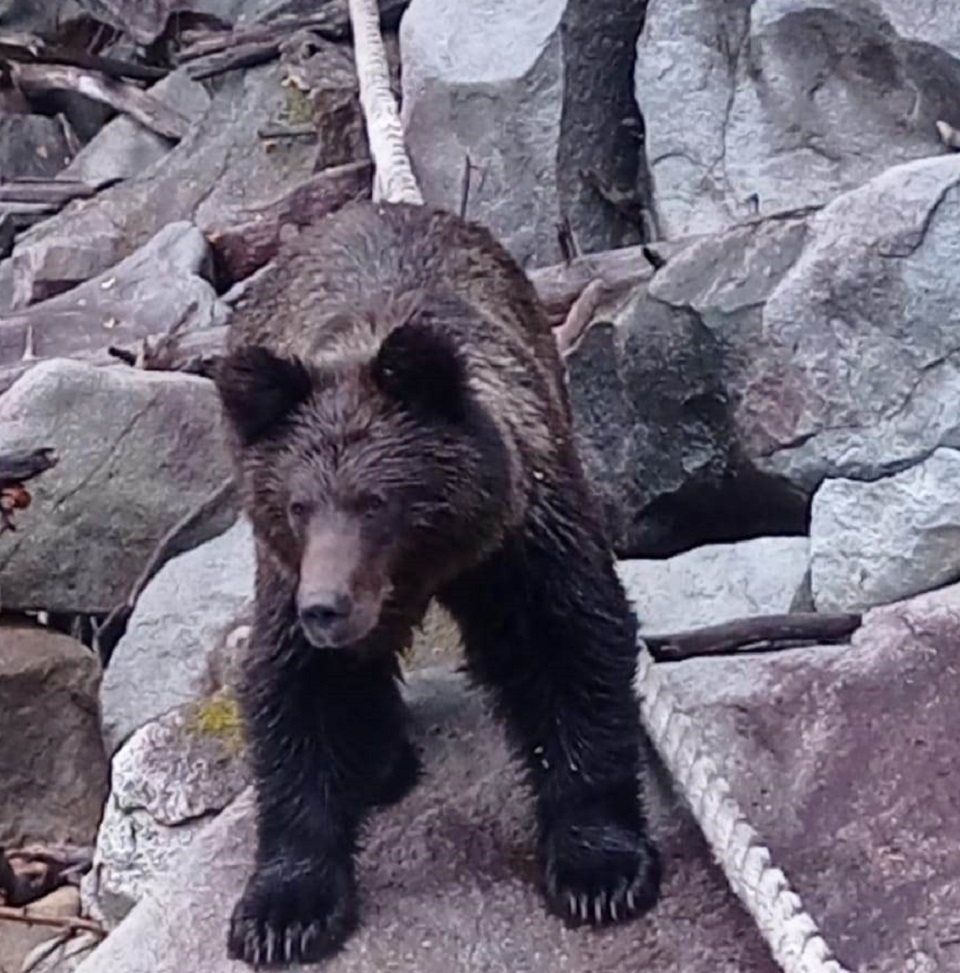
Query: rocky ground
768,400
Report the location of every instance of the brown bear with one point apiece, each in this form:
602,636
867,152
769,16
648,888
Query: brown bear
400,425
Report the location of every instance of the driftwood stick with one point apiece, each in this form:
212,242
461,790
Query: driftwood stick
174,542
73,923
579,316
49,192
761,633
121,95
51,54
21,465
246,55
949,135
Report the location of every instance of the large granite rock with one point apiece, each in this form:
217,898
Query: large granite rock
719,583
838,329
874,543
845,761
656,431
52,762
448,881
535,96
162,661
768,105
138,451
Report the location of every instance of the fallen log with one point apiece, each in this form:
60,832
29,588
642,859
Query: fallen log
763,633
121,95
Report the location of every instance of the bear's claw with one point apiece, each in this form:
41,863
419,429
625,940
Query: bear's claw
599,874
288,915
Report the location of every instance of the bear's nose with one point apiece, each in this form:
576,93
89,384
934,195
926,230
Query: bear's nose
325,608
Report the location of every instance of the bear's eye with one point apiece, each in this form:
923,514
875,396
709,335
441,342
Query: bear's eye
298,509
370,503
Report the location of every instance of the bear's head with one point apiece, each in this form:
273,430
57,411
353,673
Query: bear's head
371,479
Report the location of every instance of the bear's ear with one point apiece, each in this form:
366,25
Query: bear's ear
258,388
418,366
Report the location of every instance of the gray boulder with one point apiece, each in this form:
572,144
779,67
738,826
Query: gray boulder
535,96
767,106
123,148
836,328
718,583
138,451
163,659
32,147
52,762
168,780
874,543
448,880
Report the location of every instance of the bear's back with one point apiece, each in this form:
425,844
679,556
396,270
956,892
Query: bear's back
333,280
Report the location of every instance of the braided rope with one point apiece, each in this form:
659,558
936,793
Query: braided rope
790,932
395,181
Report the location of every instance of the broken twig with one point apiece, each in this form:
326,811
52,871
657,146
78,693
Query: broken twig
73,923
764,633
579,317
121,95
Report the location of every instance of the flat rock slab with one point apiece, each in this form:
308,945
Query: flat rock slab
448,881
843,757
845,760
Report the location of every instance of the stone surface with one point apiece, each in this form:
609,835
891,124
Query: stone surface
532,96
138,450
162,285
874,543
161,662
123,148
52,761
221,167
55,956
19,939
838,329
31,147
767,105
845,760
656,434
718,583
448,880
168,780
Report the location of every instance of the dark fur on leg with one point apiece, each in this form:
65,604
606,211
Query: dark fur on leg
546,624
326,732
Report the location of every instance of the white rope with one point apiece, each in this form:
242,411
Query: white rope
395,181
788,929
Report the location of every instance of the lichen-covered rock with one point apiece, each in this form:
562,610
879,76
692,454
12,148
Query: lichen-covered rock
767,105
878,542
52,762
170,778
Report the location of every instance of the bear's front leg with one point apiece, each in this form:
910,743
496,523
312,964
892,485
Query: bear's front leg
326,737
546,624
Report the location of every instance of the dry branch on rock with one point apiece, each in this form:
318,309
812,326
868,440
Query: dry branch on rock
28,874
71,923
765,633
38,79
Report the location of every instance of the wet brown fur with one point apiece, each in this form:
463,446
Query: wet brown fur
380,316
